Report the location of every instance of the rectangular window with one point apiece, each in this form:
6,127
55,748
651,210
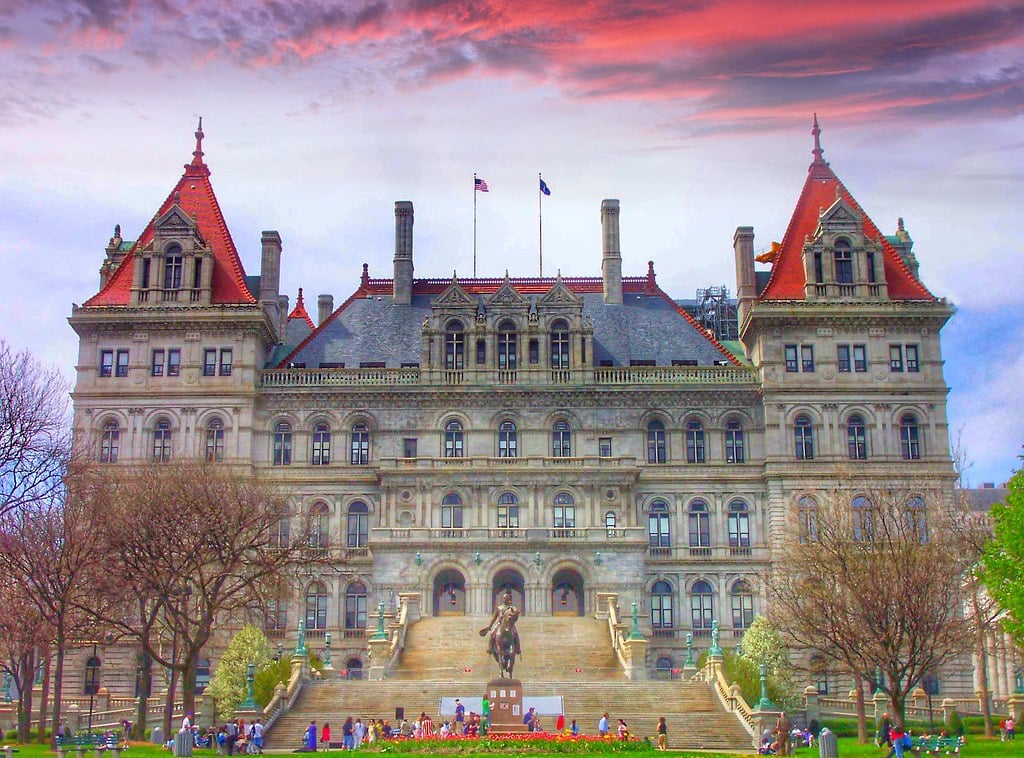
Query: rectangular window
408,364
174,362
481,352
872,275
534,351
145,273
807,358
409,447
860,358
157,364
106,362
819,275
197,273
604,447
210,361
896,358
641,362
227,356
683,362
370,364
122,363
791,359
843,358
913,365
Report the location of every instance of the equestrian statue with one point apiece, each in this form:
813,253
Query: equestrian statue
503,639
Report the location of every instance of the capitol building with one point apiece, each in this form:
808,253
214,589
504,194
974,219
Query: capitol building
566,438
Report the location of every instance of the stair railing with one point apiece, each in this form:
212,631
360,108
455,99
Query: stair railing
608,604
285,695
729,696
397,632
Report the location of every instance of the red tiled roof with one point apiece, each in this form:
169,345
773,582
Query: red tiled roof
197,199
819,192
299,311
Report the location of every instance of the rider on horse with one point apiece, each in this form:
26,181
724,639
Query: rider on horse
507,613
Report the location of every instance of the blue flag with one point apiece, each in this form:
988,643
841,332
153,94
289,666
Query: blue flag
544,188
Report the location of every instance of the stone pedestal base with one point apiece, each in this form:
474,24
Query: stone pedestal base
379,651
505,697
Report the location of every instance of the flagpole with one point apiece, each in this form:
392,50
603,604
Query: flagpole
474,225
540,226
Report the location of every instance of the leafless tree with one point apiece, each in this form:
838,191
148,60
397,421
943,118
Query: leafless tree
873,580
35,437
189,545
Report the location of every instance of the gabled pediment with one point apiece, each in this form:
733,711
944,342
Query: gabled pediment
508,297
560,295
454,297
174,223
840,217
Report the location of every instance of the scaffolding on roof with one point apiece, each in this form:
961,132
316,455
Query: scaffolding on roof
716,312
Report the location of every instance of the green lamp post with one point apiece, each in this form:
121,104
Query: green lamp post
765,702
249,704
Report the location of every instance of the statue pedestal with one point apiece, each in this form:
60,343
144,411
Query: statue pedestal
505,697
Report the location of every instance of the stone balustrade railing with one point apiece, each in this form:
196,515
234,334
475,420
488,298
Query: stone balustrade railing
729,696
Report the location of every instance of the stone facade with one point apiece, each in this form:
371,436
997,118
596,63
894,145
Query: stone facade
559,437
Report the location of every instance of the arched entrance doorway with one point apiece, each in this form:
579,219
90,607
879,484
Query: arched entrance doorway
449,593
567,593
511,580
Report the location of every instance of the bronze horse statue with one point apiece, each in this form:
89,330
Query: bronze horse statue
503,641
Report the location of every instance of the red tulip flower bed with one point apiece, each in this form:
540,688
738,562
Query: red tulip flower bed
519,744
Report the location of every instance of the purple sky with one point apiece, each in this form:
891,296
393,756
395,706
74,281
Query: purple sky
695,114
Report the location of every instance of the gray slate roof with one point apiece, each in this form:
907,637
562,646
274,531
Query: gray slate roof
644,327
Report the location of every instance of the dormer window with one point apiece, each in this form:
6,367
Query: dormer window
172,268
844,262
560,345
454,347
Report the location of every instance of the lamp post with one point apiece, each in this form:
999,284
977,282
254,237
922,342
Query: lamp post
249,704
764,702
380,634
634,610
689,663
327,651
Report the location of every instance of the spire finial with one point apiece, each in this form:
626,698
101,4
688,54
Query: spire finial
197,154
298,301
816,133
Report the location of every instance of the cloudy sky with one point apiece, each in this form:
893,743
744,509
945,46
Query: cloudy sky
694,113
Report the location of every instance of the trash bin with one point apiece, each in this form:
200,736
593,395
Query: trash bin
828,745
183,743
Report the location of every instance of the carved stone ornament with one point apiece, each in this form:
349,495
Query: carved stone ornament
559,294
508,295
453,296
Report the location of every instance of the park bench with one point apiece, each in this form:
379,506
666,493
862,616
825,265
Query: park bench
9,751
937,746
98,743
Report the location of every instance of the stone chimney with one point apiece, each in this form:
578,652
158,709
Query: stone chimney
403,252
324,308
270,279
611,252
746,286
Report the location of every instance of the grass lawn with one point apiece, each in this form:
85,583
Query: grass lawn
976,747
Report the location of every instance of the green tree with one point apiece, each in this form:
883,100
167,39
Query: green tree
762,643
1004,556
228,686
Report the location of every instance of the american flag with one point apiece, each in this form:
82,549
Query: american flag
480,184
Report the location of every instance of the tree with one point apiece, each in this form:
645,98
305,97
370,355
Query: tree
190,545
762,644
1004,556
35,436
24,634
873,582
228,685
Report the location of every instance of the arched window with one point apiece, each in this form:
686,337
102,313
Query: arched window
451,511
354,667
843,256
215,439
360,445
856,438
804,435
358,523
172,268
110,442
735,446
508,440
658,533
321,444
663,668
283,444
162,440
808,507
739,525
280,534
910,438
559,345
454,347
863,519
742,605
319,525
695,442
917,518
92,676
355,606
610,523
564,515
661,606
508,514
453,441
702,607
561,440
507,355
316,606
700,525
655,442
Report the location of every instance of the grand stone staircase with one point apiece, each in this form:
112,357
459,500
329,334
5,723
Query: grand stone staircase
570,657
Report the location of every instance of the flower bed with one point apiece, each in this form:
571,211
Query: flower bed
531,742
